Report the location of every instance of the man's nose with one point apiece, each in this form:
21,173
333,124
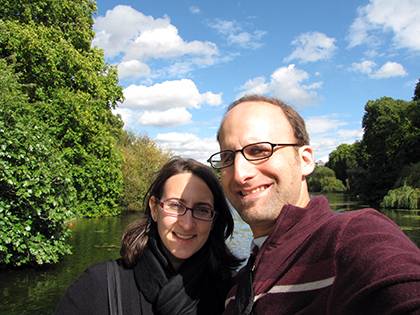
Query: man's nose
243,169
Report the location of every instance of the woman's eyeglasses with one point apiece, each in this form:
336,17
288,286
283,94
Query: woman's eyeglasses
175,207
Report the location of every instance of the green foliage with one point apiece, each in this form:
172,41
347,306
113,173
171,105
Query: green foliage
323,180
405,197
416,96
72,18
342,159
388,155
391,140
71,89
410,175
142,159
36,191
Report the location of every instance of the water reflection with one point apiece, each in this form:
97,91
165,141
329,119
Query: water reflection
36,291
408,220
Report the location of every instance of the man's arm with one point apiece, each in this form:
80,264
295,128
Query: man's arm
377,268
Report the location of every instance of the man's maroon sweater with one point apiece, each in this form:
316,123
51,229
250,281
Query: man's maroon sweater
317,261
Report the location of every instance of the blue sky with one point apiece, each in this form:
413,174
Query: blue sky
181,63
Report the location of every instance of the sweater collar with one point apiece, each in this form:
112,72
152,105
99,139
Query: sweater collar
294,218
290,215
293,226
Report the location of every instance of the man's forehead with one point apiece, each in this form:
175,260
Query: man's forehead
251,109
252,116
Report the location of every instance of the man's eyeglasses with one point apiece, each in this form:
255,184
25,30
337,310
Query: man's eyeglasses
175,207
251,152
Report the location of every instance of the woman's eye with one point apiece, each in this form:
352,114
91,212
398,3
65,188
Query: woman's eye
175,205
203,210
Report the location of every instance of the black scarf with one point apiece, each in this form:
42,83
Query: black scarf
168,291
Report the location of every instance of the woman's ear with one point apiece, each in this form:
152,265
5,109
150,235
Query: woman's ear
307,160
153,205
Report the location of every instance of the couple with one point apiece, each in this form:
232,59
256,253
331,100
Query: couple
306,259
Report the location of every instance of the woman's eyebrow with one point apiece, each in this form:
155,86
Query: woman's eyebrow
203,203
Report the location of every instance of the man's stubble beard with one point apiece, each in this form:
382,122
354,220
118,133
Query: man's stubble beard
258,212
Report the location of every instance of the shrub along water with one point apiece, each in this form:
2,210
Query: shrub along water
323,180
405,197
36,191
142,158
58,136
71,89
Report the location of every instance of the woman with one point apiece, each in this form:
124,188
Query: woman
174,260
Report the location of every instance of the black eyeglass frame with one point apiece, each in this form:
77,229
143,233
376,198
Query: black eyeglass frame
233,153
162,206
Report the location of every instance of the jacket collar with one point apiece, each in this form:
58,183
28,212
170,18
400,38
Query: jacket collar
293,226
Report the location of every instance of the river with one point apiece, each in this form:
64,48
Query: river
36,291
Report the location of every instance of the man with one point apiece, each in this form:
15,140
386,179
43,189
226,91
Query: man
310,260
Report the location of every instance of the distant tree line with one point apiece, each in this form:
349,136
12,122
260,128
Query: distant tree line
384,167
63,153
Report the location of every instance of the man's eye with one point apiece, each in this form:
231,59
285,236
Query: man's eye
257,150
226,157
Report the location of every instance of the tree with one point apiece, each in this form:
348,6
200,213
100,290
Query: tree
36,191
141,161
323,180
416,96
342,159
72,90
410,176
388,140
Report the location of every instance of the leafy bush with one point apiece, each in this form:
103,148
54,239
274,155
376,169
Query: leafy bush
323,180
410,175
36,192
71,89
141,160
405,197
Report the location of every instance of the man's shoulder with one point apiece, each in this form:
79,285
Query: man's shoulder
368,217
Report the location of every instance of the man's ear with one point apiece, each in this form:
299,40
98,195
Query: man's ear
307,159
153,205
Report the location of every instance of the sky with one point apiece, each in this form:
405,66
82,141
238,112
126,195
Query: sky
182,62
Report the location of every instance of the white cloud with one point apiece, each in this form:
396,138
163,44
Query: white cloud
256,85
286,83
187,145
127,115
166,95
163,104
312,46
328,132
119,27
350,135
212,99
164,42
133,69
194,9
179,69
322,124
387,70
400,17
365,66
235,35
127,34
170,117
